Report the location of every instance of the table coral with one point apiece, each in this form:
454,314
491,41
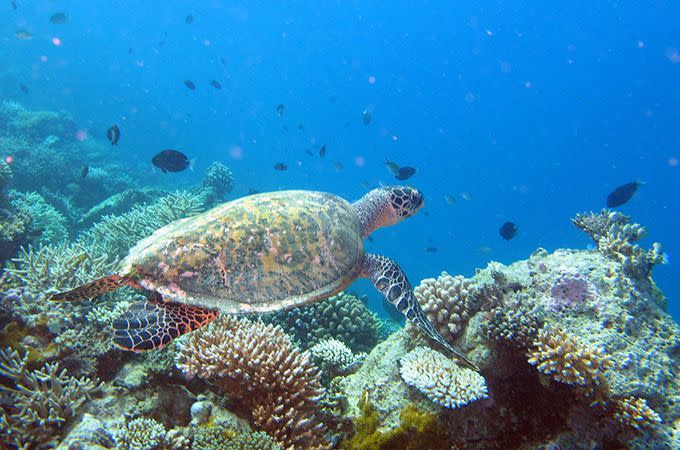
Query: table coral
257,366
440,379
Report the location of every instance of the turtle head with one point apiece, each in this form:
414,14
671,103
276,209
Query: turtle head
405,201
386,206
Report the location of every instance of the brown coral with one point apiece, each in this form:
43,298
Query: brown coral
561,357
634,412
258,367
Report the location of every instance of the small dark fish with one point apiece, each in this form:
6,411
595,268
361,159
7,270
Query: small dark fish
431,250
190,85
130,51
189,19
309,151
405,173
366,117
223,61
85,170
280,166
58,18
216,84
171,161
113,134
508,231
23,35
370,238
280,108
322,151
301,127
252,191
338,166
14,5
622,194
24,88
450,199
392,167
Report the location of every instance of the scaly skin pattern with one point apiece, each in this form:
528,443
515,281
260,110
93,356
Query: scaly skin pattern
258,253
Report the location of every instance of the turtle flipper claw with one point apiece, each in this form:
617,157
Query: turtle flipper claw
152,324
391,281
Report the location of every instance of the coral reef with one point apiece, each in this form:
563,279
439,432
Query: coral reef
36,404
565,360
343,317
5,174
142,433
217,182
334,358
258,367
615,237
635,413
440,379
47,223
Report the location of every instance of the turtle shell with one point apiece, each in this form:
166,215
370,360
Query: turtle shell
259,253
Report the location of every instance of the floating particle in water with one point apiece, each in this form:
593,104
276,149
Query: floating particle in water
23,35
450,199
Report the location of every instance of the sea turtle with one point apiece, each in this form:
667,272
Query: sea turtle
259,253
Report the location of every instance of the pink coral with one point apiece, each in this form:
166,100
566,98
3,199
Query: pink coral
571,289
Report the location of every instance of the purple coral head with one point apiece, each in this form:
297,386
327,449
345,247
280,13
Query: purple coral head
570,290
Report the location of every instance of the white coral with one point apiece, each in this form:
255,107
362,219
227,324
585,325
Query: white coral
335,358
440,379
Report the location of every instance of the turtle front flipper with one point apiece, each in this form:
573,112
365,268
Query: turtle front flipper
94,289
153,323
391,281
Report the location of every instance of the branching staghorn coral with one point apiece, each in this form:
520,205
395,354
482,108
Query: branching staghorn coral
50,224
44,269
38,402
224,438
257,366
561,357
440,379
115,235
615,237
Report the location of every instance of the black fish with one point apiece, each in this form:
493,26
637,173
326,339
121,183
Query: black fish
338,166
113,134
622,194
84,171
508,231
280,108
190,85
366,117
309,151
405,173
24,88
58,18
171,161
280,166
431,250
189,19
130,51
322,151
216,84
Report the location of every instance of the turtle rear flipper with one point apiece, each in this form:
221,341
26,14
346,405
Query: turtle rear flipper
153,324
94,289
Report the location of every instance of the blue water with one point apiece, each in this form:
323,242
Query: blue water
535,112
